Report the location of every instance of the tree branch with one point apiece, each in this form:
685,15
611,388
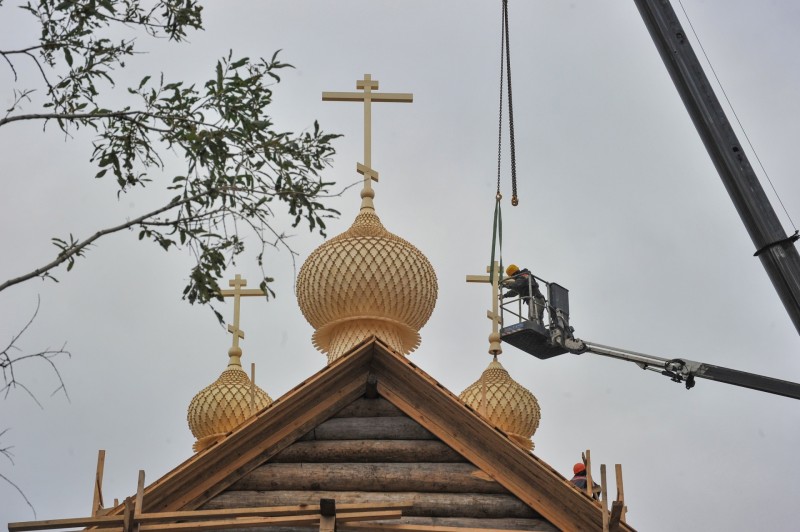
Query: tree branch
78,247
89,116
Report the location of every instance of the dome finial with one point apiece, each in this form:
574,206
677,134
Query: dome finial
232,398
366,281
495,395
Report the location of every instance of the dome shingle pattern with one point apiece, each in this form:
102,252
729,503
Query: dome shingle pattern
505,403
366,281
222,406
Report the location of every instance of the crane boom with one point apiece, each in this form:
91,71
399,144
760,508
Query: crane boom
685,370
554,337
774,248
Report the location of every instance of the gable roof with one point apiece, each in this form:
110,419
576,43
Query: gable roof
417,395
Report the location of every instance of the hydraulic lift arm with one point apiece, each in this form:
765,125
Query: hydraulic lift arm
684,370
554,337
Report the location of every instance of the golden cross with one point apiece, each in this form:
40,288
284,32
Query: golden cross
237,293
494,314
367,85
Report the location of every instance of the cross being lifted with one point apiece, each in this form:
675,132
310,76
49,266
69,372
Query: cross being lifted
367,85
497,320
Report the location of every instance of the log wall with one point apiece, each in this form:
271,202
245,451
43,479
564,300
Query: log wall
370,452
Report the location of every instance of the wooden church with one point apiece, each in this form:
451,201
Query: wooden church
370,442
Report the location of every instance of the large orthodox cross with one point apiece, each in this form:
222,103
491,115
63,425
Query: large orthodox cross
367,85
494,314
237,293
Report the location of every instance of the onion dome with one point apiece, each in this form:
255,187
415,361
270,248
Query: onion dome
363,282
220,407
505,403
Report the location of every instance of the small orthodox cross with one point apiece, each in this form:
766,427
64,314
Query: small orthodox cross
367,85
237,293
494,314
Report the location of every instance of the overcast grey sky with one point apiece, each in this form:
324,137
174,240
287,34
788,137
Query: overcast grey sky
618,202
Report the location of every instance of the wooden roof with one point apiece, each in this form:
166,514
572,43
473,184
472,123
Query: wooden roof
372,368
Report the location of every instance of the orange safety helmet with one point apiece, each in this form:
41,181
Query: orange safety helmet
512,269
578,468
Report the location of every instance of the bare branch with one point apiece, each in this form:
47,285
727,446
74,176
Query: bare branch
8,363
21,493
77,248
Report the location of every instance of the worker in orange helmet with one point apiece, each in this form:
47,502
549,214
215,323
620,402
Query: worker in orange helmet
523,284
579,478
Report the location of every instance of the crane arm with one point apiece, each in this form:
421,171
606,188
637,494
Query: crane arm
686,371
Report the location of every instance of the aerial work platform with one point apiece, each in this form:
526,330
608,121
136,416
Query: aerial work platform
535,333
531,337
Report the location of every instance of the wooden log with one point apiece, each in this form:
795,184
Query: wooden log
424,504
362,451
369,428
421,477
370,408
532,525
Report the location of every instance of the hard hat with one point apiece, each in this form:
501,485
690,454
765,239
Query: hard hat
512,269
578,468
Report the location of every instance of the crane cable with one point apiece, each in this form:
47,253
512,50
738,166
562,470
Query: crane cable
505,65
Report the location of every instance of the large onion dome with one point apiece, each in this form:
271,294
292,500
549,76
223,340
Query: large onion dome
366,281
505,403
224,404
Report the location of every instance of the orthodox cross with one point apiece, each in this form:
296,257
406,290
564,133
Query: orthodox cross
237,293
494,314
367,85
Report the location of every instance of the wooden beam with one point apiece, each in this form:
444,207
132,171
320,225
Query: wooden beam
371,391
620,491
370,408
604,500
358,527
127,521
349,511
368,451
273,511
251,522
589,481
378,477
616,515
97,499
327,511
365,428
76,522
243,522
424,504
137,509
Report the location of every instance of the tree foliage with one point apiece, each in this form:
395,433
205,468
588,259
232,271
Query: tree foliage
236,166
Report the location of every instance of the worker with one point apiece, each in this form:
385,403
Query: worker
579,478
523,284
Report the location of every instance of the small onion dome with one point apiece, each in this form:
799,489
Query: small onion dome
505,403
366,281
223,405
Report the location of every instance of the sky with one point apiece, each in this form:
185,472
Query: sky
619,203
